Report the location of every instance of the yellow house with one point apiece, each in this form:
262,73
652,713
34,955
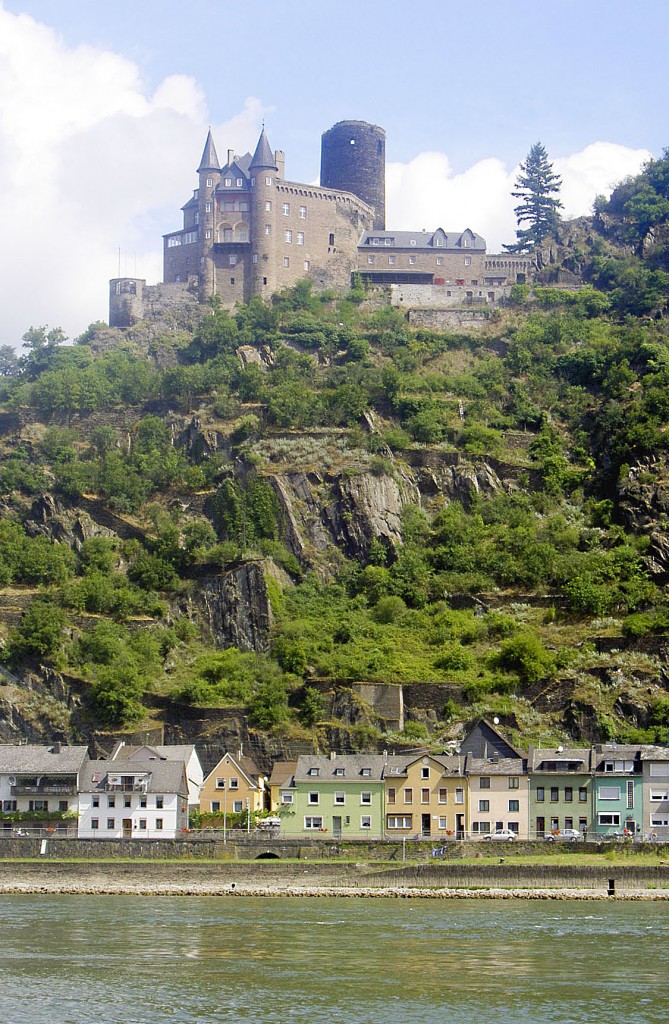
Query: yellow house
235,784
426,795
282,785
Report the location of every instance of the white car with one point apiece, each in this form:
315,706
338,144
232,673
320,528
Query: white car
564,835
502,835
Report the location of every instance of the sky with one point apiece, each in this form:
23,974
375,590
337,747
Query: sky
104,109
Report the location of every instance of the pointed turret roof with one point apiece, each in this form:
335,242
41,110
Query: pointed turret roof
209,161
263,156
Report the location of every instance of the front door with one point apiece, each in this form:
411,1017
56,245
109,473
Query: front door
459,826
127,828
336,826
541,828
426,824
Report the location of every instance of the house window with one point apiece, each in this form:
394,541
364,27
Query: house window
288,236
366,798
630,794
443,796
63,805
313,798
314,771
300,237
555,794
339,772
513,826
425,796
391,795
408,796
398,821
286,261
658,822
484,783
568,822
286,798
443,823
303,213
234,783
514,806
127,801
582,795
608,818
540,794
95,823
425,773
568,794
313,823
286,209
609,793
366,772
459,796
340,799
142,824
268,205
142,802
215,806
514,782
111,823
484,805
159,803
96,801
366,821
237,806
159,824
481,827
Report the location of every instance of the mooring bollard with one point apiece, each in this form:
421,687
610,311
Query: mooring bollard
611,891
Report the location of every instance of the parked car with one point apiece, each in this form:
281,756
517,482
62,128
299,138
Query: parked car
502,835
564,835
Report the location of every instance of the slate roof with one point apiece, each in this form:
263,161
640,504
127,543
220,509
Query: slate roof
164,751
397,764
415,240
282,773
246,765
263,156
568,755
40,759
496,766
162,776
209,160
655,753
352,764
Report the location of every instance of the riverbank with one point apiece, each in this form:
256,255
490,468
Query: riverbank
275,879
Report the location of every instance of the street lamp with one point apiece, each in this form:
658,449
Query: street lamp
225,811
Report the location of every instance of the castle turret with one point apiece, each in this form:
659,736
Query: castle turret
263,170
353,159
209,173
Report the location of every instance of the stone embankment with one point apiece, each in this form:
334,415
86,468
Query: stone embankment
346,880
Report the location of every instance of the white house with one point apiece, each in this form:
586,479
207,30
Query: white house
40,779
184,752
133,799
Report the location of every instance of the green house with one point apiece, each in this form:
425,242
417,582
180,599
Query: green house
561,790
340,796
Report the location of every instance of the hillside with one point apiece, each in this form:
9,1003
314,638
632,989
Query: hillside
312,525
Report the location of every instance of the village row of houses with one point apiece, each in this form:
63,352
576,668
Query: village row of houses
488,784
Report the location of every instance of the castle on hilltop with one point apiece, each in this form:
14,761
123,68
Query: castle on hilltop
248,231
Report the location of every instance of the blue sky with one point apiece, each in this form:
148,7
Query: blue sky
462,91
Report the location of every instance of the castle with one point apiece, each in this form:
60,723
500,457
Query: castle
248,231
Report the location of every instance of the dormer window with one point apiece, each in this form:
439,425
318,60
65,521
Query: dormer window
240,182
314,771
339,771
366,772
412,242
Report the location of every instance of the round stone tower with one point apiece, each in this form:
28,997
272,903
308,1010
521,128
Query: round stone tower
353,159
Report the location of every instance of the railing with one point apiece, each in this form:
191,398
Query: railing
122,787
44,790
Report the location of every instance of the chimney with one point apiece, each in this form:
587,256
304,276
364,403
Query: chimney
332,755
280,158
231,157
56,748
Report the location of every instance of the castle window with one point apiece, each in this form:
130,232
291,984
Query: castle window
468,261
307,265
254,258
232,261
190,237
300,237
303,213
438,241
268,181
228,182
241,233
268,229
227,234
240,182
288,236
228,205
174,240
286,261
264,280
371,259
286,209
196,219
207,233
268,205
391,261
440,261
331,240
352,142
207,207
412,260
209,182
232,280
253,181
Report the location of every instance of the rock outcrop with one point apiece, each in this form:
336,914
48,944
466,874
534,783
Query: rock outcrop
235,607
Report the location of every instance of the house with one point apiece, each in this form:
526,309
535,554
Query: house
498,784
655,784
425,795
40,781
234,785
618,789
186,753
341,795
133,799
282,784
561,790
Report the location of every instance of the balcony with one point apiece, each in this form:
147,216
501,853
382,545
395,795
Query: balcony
125,787
65,789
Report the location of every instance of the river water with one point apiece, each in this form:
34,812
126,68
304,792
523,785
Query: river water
187,960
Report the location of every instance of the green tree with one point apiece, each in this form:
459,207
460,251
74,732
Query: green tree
537,188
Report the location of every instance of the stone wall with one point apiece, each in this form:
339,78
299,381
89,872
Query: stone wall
462,318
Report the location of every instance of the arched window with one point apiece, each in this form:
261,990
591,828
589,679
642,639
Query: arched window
241,232
225,233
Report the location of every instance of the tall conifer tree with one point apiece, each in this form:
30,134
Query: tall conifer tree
537,187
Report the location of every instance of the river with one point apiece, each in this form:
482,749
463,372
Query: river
192,960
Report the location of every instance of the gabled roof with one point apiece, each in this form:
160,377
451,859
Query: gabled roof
161,776
398,764
354,767
483,740
495,765
438,240
160,751
564,759
263,156
41,759
244,765
235,170
209,159
282,773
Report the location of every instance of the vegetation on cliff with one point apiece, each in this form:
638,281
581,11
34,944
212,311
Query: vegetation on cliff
483,511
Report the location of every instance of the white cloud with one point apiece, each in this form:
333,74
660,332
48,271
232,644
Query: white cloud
93,163
425,193
90,163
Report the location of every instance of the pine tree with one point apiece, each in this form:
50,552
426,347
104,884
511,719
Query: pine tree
537,186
